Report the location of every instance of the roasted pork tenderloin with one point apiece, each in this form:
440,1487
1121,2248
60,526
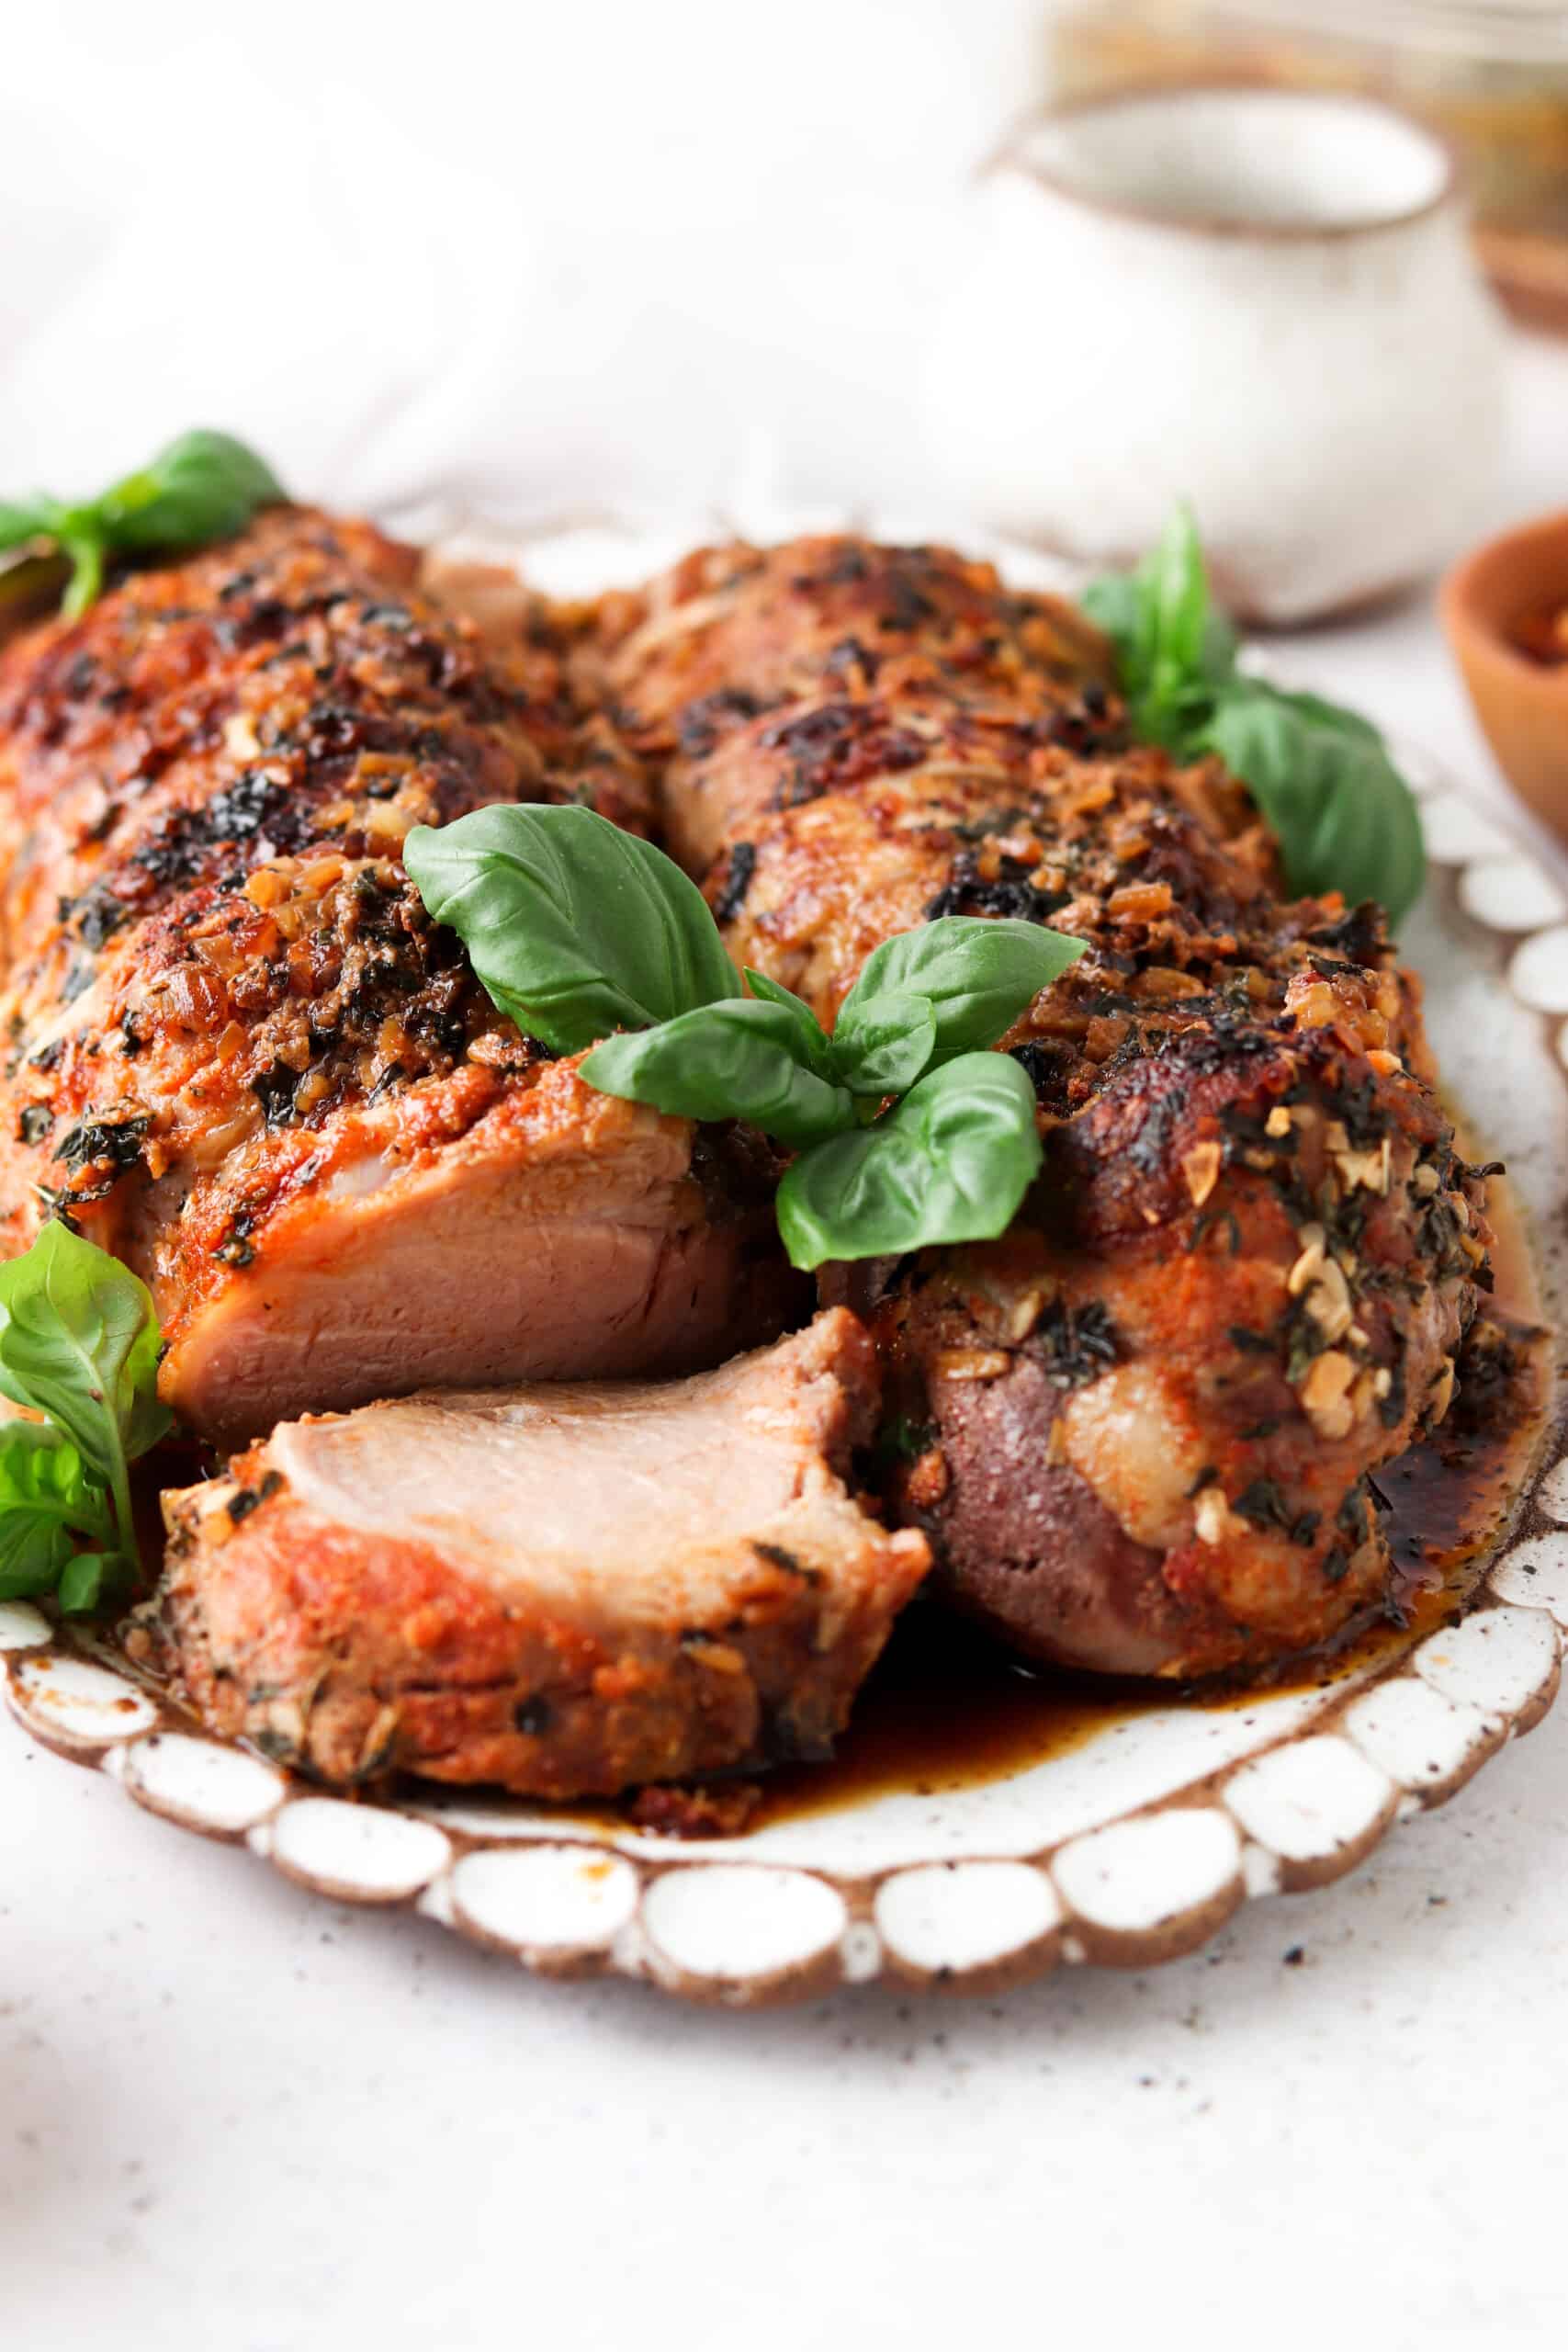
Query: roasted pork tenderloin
1142,1429
563,1590
241,1056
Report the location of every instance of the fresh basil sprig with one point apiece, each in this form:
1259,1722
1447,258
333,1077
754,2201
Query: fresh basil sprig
79,1343
204,486
950,1162
1343,815
575,929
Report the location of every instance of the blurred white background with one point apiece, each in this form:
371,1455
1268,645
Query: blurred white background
525,257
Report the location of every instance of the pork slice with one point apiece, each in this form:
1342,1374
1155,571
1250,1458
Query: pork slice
561,1234
565,1591
244,1059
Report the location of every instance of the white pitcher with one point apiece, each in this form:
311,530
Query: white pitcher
1263,301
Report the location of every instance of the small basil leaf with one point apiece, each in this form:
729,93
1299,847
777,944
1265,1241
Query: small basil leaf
34,1549
85,1577
887,1046
85,551
25,520
204,486
1343,815
1114,603
952,1162
1332,716
815,1050
575,928
43,1496
980,976
40,1469
739,1059
79,1342
1174,646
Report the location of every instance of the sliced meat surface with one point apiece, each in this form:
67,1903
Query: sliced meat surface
1142,1429
565,1591
244,1058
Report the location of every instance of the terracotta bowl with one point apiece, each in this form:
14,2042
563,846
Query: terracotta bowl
1522,703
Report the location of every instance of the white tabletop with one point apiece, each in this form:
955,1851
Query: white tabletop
234,2116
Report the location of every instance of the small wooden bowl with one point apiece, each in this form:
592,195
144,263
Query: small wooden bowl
1522,703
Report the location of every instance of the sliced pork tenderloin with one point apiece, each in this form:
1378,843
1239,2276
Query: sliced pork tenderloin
242,1058
1140,1428
565,1591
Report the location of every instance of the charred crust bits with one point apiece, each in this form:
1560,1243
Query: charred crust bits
224,788
274,1088
237,1248
246,1499
114,1143
777,1556
731,897
1262,1502
1074,1344
1009,890
702,724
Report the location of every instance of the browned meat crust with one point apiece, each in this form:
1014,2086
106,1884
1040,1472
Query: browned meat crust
564,1591
240,1054
1142,1430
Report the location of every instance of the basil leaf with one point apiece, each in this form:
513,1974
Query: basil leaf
1343,817
85,1576
204,486
26,519
35,1548
575,928
952,1162
814,1047
43,1496
85,551
41,1470
1173,644
738,1060
979,976
79,1342
886,1046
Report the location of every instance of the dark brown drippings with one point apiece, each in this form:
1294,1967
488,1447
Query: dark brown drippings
947,1710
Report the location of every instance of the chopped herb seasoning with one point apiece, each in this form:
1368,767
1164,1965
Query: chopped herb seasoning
1265,1505
1073,1345
1257,1343
777,1557
116,1140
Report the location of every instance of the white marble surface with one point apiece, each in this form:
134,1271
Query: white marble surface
235,2115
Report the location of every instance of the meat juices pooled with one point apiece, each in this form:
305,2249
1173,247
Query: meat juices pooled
1142,1429
562,1590
242,1057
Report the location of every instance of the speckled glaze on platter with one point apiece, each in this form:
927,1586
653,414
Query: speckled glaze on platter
1130,1846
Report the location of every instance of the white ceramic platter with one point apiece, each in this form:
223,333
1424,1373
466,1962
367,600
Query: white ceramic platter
1128,1847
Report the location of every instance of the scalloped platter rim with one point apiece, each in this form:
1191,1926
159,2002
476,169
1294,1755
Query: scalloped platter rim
1130,1847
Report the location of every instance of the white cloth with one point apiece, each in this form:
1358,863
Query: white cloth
530,259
